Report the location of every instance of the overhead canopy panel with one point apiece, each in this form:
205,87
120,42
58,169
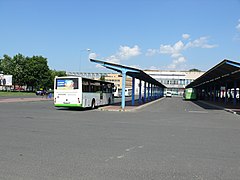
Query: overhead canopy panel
133,72
225,71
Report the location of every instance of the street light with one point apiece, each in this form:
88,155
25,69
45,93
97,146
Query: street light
83,50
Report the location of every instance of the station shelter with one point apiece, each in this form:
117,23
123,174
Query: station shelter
219,84
153,89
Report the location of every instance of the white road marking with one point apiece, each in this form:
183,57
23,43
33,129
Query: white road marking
127,151
119,157
198,111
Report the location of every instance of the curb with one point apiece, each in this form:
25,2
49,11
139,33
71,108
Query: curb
132,108
219,107
11,100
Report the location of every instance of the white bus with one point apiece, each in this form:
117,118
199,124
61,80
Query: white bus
118,92
72,91
128,91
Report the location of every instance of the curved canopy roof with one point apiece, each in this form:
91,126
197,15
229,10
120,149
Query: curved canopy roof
226,71
133,72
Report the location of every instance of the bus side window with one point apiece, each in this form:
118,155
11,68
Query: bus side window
75,83
85,86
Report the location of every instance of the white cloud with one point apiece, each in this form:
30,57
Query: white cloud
176,50
166,49
237,35
124,53
238,26
185,36
176,62
113,59
180,60
135,66
201,42
92,56
152,52
176,55
153,68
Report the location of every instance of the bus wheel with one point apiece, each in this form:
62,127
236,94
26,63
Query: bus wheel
93,104
109,101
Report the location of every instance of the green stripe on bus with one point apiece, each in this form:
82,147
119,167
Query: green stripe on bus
68,105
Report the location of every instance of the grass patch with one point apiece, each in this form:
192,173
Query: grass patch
15,93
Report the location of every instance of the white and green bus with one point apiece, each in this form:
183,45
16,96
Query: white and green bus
72,91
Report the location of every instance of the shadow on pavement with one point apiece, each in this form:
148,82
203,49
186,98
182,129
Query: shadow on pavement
206,105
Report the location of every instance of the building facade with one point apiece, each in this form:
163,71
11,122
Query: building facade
89,75
115,78
175,81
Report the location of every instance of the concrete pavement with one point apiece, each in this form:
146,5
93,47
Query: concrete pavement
171,139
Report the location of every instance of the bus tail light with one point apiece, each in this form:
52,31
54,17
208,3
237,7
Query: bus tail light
79,100
55,100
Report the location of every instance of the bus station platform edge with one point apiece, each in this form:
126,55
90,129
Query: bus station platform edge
226,107
23,99
128,107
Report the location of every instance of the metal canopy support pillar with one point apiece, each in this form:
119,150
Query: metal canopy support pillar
226,94
211,93
151,91
124,73
205,93
219,92
140,92
155,92
145,86
133,91
235,93
124,70
214,93
148,91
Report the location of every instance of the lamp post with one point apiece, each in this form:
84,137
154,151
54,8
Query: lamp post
83,50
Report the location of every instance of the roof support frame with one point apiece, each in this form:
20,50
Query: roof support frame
133,72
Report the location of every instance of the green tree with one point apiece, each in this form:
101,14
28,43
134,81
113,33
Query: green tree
18,71
1,68
14,66
31,71
194,70
6,64
55,73
102,78
38,73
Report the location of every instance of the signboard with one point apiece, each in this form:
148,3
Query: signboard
223,88
5,80
65,84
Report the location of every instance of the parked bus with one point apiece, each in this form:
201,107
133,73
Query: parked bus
118,92
128,91
190,94
72,91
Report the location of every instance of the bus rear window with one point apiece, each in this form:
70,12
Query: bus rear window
67,84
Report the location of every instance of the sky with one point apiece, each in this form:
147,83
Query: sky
145,34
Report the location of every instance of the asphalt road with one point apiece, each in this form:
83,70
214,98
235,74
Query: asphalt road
170,139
